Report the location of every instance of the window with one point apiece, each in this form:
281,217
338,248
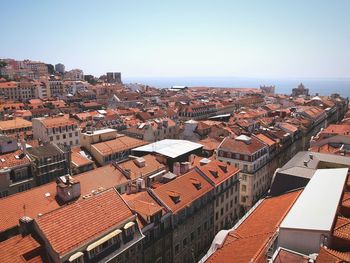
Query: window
177,249
192,236
199,230
57,137
64,136
216,215
231,203
76,133
222,211
51,138
244,188
70,135
184,242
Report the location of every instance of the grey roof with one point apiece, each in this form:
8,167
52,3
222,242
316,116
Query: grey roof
45,150
170,148
314,163
317,205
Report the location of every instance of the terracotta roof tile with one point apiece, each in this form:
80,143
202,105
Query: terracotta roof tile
63,227
238,146
248,243
327,255
20,249
119,144
16,123
42,199
184,188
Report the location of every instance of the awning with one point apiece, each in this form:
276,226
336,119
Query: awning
75,256
128,225
104,239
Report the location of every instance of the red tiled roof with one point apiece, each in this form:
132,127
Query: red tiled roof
51,122
248,243
20,249
241,147
151,165
9,159
218,172
34,201
143,204
119,144
266,139
342,129
184,188
78,223
342,228
327,255
16,123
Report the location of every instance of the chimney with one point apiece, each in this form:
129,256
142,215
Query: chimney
311,156
67,188
140,162
305,163
25,225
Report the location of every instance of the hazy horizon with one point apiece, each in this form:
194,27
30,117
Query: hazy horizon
259,39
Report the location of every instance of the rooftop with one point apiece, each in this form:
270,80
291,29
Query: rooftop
325,187
118,144
102,212
248,242
16,123
170,148
182,191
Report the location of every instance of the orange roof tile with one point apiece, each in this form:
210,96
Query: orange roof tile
63,227
185,189
42,199
266,139
342,228
119,144
218,172
9,159
238,146
20,249
51,122
248,243
151,165
143,204
327,255
16,123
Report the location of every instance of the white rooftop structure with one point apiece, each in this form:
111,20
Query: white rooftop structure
317,205
102,131
308,225
170,148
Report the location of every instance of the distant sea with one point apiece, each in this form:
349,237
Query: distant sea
283,86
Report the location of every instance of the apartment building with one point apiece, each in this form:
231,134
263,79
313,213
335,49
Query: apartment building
56,129
49,161
156,225
153,131
250,155
15,126
107,146
197,111
190,200
15,168
225,180
116,237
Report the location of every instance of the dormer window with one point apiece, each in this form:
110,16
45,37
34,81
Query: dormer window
174,196
214,173
196,183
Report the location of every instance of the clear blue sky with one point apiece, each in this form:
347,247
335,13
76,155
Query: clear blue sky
262,38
